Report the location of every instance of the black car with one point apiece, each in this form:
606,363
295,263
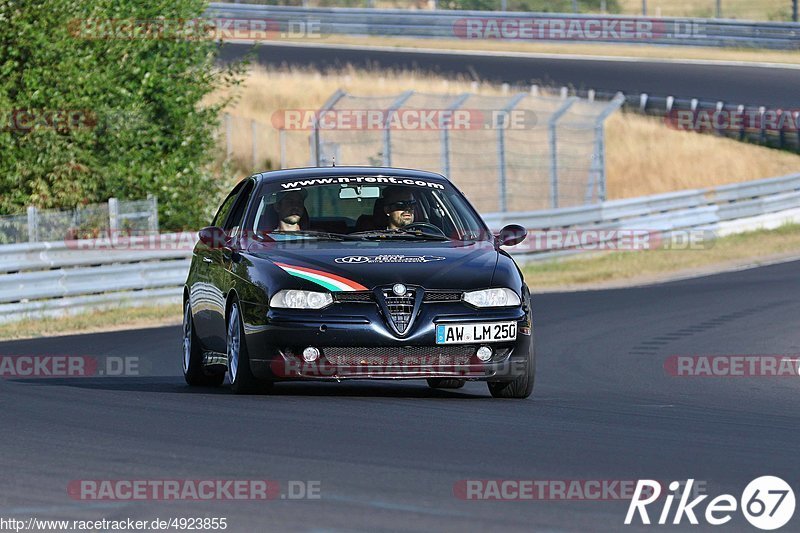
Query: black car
355,273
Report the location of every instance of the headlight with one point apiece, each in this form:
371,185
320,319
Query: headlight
295,299
492,298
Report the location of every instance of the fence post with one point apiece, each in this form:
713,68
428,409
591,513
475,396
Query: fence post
254,135
551,125
33,224
445,134
282,141
501,149
325,107
228,135
113,216
152,220
387,138
598,170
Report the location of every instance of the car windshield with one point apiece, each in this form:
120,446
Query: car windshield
364,208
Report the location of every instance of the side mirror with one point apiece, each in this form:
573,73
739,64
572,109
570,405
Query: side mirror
213,237
511,235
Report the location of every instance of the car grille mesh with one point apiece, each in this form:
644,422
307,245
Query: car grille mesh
401,308
442,296
354,296
399,356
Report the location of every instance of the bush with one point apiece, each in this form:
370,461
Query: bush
137,125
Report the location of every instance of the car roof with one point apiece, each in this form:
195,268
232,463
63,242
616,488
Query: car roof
316,172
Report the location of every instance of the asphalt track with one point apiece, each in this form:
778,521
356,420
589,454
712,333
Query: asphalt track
736,84
388,455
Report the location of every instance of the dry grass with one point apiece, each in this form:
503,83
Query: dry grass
94,321
643,155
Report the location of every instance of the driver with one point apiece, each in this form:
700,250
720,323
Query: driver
290,208
398,204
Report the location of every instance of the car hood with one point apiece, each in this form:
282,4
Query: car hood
365,265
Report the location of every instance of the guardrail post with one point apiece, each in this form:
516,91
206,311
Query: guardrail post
551,125
387,138
501,148
113,216
445,134
33,224
152,220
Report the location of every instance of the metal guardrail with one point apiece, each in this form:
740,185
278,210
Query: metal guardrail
717,211
41,279
517,26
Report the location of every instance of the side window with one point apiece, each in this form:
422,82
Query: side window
234,222
224,209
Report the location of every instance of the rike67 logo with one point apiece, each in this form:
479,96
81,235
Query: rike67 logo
767,503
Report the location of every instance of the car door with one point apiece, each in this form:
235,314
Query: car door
218,267
205,296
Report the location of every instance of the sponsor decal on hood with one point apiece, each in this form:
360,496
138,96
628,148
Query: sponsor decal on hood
355,259
332,282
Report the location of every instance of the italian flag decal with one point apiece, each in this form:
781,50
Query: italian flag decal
332,282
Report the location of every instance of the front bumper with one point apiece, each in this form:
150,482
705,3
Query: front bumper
356,343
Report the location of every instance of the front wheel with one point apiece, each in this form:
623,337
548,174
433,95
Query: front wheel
522,386
239,374
193,371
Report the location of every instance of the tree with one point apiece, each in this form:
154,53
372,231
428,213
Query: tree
96,106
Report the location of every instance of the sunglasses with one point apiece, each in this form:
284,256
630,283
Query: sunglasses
404,205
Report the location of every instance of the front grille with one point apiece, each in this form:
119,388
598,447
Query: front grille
401,308
399,355
442,296
354,296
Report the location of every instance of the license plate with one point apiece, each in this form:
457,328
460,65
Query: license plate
475,333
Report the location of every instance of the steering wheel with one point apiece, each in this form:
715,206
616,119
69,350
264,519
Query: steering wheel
423,226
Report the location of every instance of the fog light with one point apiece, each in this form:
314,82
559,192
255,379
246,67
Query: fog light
310,354
484,353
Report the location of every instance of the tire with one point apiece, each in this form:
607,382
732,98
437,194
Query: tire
193,371
521,387
446,383
239,373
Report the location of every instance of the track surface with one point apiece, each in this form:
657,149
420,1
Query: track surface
771,87
387,456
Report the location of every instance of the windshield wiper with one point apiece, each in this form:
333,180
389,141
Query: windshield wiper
400,234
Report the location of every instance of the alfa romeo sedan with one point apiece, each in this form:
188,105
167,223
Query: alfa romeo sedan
355,273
